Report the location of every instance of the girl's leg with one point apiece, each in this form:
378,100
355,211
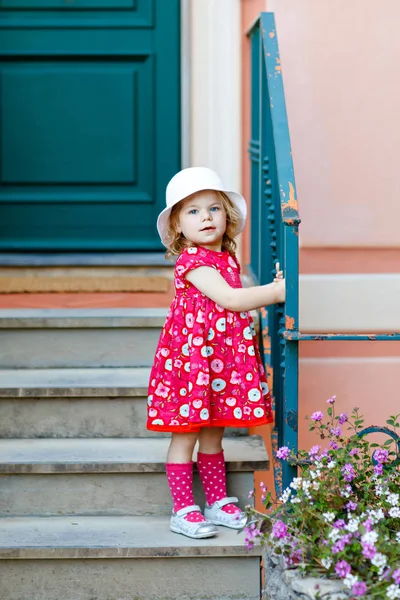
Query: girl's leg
211,466
179,469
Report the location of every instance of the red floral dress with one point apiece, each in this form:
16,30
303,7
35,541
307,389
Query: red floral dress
207,370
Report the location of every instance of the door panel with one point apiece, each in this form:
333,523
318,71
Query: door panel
90,123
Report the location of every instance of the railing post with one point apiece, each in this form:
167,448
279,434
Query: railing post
274,232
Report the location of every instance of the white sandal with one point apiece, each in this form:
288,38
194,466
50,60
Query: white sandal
178,524
216,515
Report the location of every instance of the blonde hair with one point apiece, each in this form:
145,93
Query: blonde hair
177,241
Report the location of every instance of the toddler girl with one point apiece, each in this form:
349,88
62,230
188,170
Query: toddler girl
207,373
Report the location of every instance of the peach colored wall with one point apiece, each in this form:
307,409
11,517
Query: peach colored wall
340,61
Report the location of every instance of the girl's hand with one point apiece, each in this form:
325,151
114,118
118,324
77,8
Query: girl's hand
279,274
280,290
280,285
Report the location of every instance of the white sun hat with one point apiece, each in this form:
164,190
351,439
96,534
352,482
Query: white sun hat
192,180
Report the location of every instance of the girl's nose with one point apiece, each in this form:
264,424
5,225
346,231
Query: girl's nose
206,216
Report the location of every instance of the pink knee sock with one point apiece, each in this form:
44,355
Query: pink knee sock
213,477
180,481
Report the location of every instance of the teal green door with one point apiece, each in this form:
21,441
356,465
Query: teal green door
89,122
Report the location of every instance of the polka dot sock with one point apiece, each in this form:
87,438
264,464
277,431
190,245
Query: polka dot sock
180,481
213,477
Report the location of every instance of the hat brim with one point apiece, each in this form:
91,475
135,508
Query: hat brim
237,200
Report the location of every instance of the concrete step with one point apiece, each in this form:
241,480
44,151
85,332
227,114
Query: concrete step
57,338
130,558
69,403
49,477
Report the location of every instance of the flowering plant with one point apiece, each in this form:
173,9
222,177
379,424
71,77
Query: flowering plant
341,515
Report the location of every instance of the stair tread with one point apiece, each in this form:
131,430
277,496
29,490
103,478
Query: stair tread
109,537
76,318
112,381
114,455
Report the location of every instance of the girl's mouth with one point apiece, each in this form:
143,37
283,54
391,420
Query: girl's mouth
208,229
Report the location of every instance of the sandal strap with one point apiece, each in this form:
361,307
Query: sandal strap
225,501
188,509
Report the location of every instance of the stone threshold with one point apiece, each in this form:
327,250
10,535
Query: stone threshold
84,259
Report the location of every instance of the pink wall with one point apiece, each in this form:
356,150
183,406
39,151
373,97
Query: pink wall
340,64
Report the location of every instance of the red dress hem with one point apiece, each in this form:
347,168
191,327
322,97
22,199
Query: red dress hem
237,423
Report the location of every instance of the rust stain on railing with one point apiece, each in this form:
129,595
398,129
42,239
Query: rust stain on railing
289,322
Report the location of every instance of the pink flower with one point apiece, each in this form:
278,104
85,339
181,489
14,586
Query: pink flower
343,418
241,348
331,400
317,416
368,550
162,390
217,365
359,588
279,530
348,472
396,576
342,569
247,410
203,378
336,431
283,452
312,453
178,363
235,378
381,456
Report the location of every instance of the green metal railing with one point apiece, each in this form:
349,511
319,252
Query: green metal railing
274,230
274,238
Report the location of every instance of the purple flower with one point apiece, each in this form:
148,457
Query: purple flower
339,524
368,550
343,418
353,452
317,416
359,588
333,445
279,530
336,431
348,472
368,524
378,469
396,576
342,568
314,451
283,453
351,505
339,545
381,456
331,400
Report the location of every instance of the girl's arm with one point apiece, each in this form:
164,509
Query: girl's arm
211,283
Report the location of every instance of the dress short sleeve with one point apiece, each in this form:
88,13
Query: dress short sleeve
192,258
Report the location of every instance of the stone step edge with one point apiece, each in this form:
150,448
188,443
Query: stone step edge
154,448
74,383
165,544
82,318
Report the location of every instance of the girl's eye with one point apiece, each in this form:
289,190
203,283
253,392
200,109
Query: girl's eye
193,211
214,208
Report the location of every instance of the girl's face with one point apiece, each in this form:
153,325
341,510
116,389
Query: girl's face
202,219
